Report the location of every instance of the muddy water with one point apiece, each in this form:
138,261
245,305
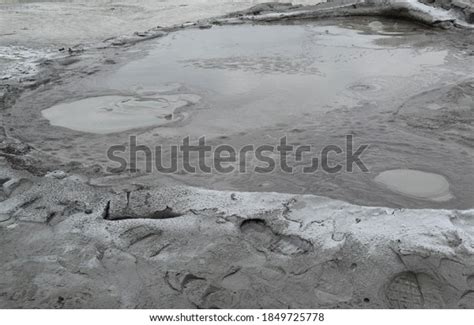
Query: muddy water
314,83
278,73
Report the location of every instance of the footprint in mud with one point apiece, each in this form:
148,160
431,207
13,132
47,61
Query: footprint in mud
236,280
263,237
409,290
291,245
4,217
256,230
12,187
179,281
3,195
139,234
467,300
197,289
470,281
9,188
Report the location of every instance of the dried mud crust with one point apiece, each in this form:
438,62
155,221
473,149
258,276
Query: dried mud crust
412,10
222,249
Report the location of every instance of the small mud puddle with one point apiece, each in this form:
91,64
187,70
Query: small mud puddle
314,83
109,114
416,184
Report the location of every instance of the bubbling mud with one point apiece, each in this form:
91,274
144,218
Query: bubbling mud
109,114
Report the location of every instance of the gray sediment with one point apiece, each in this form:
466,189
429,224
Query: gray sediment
73,236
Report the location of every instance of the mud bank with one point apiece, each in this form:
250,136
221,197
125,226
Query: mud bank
67,244
74,236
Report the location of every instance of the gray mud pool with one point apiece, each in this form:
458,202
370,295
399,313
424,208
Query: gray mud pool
397,87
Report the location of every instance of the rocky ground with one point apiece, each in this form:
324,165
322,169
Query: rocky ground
75,238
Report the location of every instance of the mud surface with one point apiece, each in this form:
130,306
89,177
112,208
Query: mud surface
314,82
76,236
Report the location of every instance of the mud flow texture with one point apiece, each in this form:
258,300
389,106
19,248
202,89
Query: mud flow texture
313,82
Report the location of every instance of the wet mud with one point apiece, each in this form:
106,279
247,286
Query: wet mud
76,235
313,82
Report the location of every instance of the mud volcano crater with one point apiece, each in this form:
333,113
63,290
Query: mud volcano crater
313,82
